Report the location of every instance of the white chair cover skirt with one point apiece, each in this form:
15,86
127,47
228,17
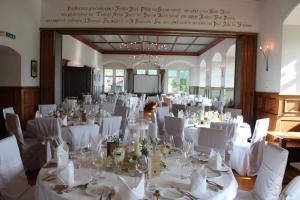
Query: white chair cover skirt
13,181
292,190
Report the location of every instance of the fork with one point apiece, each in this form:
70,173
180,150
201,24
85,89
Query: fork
101,194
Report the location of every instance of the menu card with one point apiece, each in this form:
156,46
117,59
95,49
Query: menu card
153,166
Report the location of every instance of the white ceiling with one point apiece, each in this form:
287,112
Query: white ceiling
294,17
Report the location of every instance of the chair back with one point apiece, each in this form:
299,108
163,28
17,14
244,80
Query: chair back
174,127
176,108
108,106
257,145
83,135
91,108
13,181
49,133
210,138
14,127
8,110
292,190
270,175
111,126
122,111
230,129
45,109
234,111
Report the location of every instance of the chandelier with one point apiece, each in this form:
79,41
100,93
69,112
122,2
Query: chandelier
146,49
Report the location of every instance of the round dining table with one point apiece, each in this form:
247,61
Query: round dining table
174,176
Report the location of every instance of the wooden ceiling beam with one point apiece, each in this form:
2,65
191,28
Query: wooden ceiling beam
87,42
103,38
210,45
152,53
173,44
166,43
194,40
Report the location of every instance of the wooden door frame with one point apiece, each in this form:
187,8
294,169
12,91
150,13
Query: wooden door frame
47,57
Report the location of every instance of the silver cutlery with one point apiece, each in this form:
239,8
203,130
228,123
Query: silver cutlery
187,194
216,184
101,194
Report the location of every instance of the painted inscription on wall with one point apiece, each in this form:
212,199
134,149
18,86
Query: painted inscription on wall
146,16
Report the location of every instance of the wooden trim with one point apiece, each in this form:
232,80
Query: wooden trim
192,43
147,31
210,45
87,42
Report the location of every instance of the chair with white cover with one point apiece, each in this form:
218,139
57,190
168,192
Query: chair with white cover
13,181
234,111
49,133
108,106
8,110
176,108
122,111
174,126
91,108
292,190
46,109
111,126
270,175
210,138
246,157
161,113
82,135
230,129
30,148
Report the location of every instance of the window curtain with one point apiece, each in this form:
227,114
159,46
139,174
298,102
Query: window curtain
129,83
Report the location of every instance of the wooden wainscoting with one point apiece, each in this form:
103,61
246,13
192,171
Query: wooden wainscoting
283,110
24,100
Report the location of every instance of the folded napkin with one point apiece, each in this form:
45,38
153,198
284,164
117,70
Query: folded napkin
239,119
171,114
66,173
65,121
132,191
198,181
38,114
180,114
62,155
215,160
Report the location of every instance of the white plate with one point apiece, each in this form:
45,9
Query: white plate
96,190
170,194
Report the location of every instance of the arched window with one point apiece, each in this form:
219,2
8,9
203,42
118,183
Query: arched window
202,75
216,70
230,67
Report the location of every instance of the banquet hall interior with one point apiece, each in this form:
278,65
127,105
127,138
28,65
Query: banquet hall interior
150,100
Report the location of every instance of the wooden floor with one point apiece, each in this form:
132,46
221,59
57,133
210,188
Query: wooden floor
244,182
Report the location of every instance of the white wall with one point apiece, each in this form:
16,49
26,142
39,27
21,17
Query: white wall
22,18
79,54
290,71
166,14
272,16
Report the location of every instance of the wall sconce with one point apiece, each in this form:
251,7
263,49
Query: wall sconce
266,55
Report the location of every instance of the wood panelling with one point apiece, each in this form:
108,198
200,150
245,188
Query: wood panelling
24,100
247,75
283,110
47,66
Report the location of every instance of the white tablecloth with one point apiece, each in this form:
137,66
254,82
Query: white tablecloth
243,132
44,189
86,131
